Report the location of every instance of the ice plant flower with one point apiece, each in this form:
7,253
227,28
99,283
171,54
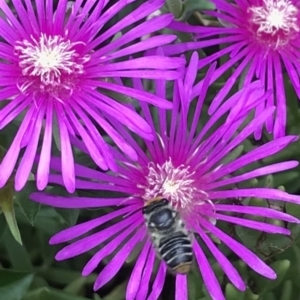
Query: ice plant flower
260,39
57,67
187,166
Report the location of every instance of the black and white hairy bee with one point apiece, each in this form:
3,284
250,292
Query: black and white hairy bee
169,235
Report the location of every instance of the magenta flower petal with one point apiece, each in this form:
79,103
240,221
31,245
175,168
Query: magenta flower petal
183,163
143,96
256,154
26,163
256,173
44,163
250,258
136,275
53,58
78,230
74,202
181,292
223,261
257,211
11,156
92,241
208,275
152,42
146,276
90,143
143,62
266,193
107,249
158,282
264,227
116,263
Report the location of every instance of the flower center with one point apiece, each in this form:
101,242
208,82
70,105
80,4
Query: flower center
276,21
173,183
51,61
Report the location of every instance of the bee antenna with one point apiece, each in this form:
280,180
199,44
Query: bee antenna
132,212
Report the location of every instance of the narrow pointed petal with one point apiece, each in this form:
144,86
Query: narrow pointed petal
257,211
9,161
108,249
146,276
136,274
74,202
141,95
116,263
80,229
181,291
261,226
26,163
45,157
67,158
246,255
267,193
208,275
224,263
87,243
158,282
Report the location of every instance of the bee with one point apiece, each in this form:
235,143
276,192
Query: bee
169,235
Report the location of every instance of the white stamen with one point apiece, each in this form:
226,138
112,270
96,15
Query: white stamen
173,183
161,141
275,15
49,58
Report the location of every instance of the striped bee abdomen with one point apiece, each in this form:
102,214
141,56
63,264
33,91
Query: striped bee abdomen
169,236
176,250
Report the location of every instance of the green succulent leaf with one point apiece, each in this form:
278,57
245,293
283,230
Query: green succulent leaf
46,293
248,236
7,206
191,6
286,291
233,294
17,253
249,295
70,216
264,285
233,155
13,285
195,285
292,254
3,225
29,208
175,7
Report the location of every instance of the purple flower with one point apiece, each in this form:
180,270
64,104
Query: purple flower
260,39
188,167
57,64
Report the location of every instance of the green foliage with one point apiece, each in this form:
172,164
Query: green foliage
232,293
183,10
50,294
29,208
192,6
13,285
8,209
263,285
